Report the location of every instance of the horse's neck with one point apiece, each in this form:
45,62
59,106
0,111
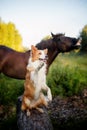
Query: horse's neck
51,56
52,50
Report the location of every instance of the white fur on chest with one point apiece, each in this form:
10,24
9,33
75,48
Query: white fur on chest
38,77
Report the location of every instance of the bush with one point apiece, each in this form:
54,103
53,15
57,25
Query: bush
83,34
10,89
66,77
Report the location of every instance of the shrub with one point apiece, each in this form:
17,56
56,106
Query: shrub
66,77
10,89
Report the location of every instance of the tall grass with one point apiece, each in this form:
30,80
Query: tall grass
10,89
68,75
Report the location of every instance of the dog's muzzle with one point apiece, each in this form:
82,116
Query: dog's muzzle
45,59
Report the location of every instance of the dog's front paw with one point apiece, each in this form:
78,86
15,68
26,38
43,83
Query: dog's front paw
48,99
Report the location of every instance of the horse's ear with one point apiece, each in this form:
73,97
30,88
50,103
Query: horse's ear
52,34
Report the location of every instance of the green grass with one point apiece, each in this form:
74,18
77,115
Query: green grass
10,89
68,75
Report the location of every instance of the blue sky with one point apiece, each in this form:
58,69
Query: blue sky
35,19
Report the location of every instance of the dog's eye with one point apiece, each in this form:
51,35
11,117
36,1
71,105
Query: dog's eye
39,53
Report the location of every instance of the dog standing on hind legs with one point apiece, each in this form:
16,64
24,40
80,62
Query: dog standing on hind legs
35,82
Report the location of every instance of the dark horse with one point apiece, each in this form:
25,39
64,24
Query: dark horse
13,63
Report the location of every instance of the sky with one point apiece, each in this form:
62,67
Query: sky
35,19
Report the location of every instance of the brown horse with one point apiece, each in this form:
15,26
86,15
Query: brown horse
59,43
13,63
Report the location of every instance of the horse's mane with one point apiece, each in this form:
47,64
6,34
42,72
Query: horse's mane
60,34
48,43
45,44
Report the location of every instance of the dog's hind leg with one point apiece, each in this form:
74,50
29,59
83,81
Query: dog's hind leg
28,112
25,103
40,101
40,109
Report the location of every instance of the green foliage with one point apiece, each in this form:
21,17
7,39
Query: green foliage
9,36
68,75
10,89
83,34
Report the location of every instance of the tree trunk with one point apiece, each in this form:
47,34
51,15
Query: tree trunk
36,120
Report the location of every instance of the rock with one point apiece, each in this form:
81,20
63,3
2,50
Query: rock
36,120
68,113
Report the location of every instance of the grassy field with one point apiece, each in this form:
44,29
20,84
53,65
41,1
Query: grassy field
10,89
68,74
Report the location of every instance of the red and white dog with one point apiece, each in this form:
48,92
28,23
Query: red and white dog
35,81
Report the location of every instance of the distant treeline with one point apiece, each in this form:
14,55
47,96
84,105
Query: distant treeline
83,34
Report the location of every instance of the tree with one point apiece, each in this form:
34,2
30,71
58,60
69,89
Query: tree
46,37
9,36
83,34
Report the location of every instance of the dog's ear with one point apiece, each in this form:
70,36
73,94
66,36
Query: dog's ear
33,48
45,51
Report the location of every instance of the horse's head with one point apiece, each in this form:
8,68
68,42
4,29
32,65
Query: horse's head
65,44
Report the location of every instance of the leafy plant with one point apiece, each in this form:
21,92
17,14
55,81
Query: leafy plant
67,76
10,89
